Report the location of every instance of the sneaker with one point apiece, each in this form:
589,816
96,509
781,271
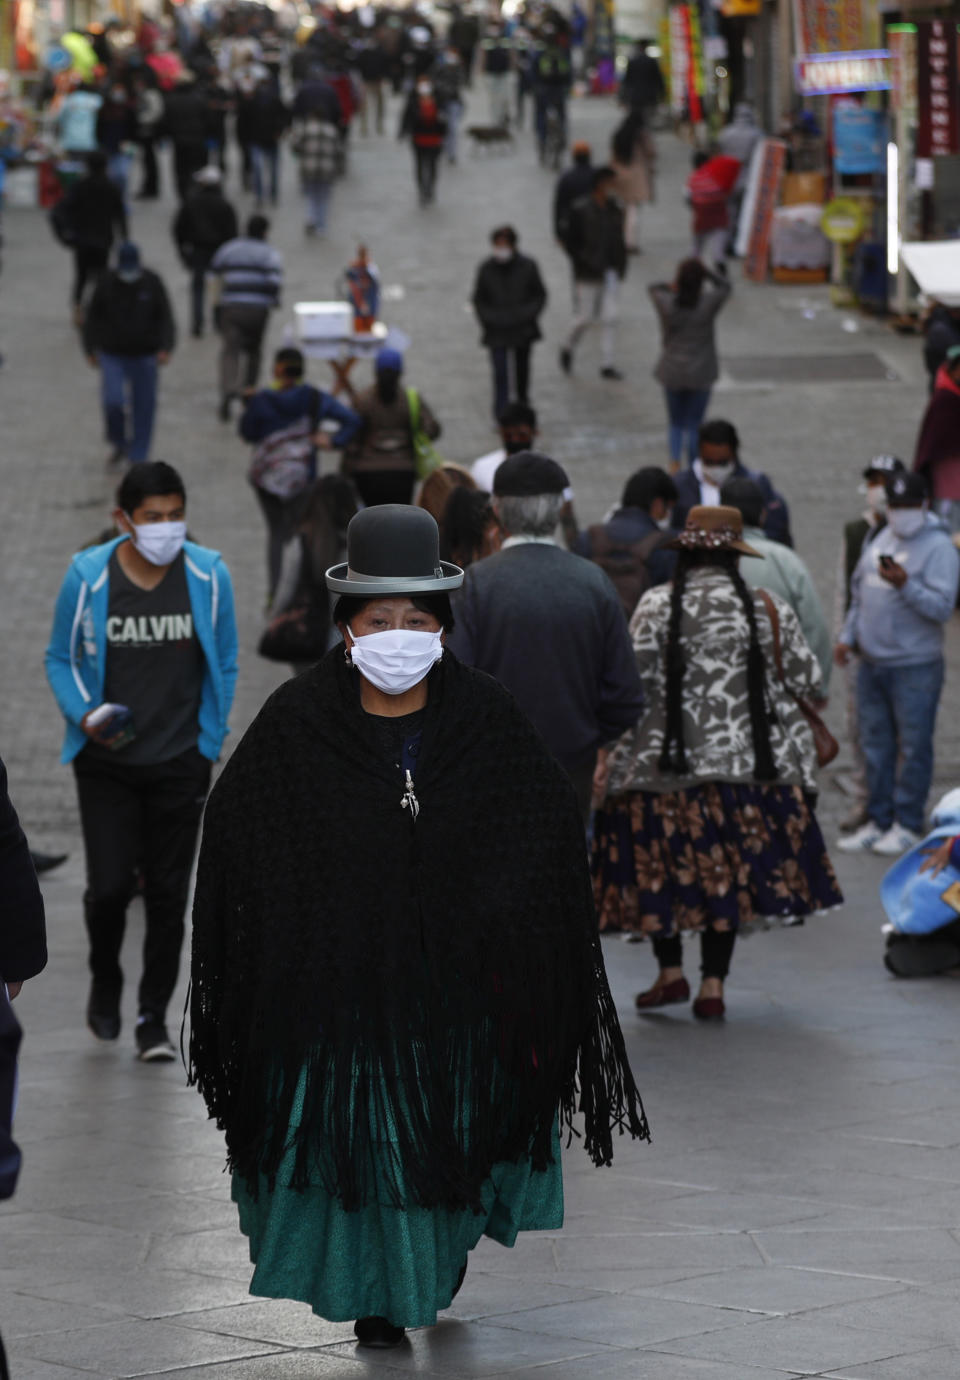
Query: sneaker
895,841
854,819
566,360
103,1012
153,1042
862,839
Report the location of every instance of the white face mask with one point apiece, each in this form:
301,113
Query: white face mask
717,474
502,254
160,543
877,499
906,522
397,660
664,522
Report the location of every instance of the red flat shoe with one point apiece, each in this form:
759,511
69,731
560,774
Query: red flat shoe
709,1009
663,994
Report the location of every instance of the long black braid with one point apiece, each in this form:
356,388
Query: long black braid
673,756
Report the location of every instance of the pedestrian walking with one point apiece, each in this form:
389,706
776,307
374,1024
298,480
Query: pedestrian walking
149,110
642,88
91,217
267,119
941,330
718,460
630,545
382,460
518,431
373,66
77,121
251,278
548,625
284,425
496,57
204,222
448,83
707,824
782,572
464,34
127,334
509,298
382,1032
315,143
937,455
597,251
185,125
687,368
425,125
856,535
738,140
552,77
117,133
633,159
710,188
143,662
903,591
469,529
572,184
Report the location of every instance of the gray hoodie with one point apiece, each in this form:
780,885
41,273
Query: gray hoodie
904,627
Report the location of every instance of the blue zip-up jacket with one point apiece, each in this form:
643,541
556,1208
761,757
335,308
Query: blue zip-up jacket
273,409
77,655
903,627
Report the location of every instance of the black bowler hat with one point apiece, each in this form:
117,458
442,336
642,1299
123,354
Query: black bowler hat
906,490
529,473
393,549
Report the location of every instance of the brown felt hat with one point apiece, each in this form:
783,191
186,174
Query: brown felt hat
715,528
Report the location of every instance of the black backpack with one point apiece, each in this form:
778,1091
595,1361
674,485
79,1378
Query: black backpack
61,223
625,562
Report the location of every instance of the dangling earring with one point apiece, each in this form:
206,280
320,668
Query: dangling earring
346,656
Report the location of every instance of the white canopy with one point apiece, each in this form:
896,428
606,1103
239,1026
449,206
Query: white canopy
936,266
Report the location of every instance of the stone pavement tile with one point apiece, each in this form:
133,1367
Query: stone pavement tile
130,1348
734,1211
939,1128
221,1252
805,1345
772,1289
486,1295
269,1320
627,1322
458,1350
26,1315
146,1293
161,1214
920,1313
44,1240
942,1363
43,1370
701,1252
654,1365
911,1254
290,1365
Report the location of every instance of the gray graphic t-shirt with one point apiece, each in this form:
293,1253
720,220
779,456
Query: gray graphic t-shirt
154,666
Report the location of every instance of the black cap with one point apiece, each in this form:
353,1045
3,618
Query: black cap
906,490
529,473
393,549
884,464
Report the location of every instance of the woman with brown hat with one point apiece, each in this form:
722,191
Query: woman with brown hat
708,824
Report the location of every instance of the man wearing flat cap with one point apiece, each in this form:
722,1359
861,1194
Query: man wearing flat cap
549,625
903,591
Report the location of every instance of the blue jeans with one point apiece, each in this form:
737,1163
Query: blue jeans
138,373
898,708
454,113
118,171
264,168
318,201
686,408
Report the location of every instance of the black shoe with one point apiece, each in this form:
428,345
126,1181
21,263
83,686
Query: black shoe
609,372
378,1332
224,410
103,1012
918,956
153,1042
566,360
46,862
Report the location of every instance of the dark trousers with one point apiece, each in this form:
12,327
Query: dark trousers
282,516
425,163
242,328
500,357
716,950
265,170
89,261
146,819
581,777
150,184
188,158
384,486
198,289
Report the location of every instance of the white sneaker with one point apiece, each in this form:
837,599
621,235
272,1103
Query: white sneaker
862,839
895,841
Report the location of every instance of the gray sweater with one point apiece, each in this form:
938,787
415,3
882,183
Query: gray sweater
689,355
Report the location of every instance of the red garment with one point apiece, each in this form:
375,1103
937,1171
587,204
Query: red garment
428,131
938,445
709,189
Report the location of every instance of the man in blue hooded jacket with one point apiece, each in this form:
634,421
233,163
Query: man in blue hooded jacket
143,663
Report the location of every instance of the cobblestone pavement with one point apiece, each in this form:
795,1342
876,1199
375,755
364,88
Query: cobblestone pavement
799,1210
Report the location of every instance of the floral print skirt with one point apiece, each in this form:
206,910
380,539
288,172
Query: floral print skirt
727,856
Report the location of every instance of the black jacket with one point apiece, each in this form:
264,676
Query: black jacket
777,525
266,117
185,117
571,186
205,221
23,935
508,299
595,239
129,318
94,212
549,627
642,87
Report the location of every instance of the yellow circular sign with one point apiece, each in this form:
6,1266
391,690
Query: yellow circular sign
843,220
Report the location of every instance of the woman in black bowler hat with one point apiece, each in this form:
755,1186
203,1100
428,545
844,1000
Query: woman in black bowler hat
399,998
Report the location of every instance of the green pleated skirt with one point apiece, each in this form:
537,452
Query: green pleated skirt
382,1261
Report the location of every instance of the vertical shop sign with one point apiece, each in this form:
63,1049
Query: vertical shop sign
773,157
938,110
686,62
828,26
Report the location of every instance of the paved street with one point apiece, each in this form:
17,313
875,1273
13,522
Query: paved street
799,1210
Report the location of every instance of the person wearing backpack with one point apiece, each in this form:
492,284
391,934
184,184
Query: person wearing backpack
88,220
283,424
629,546
383,460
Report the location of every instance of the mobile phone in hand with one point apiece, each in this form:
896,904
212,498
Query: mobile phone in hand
114,723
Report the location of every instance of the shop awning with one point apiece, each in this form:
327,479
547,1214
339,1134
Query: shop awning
936,266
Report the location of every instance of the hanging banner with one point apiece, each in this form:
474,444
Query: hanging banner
828,26
686,63
938,110
835,74
762,196
859,140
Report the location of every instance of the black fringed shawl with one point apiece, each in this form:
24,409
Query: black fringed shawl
437,986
